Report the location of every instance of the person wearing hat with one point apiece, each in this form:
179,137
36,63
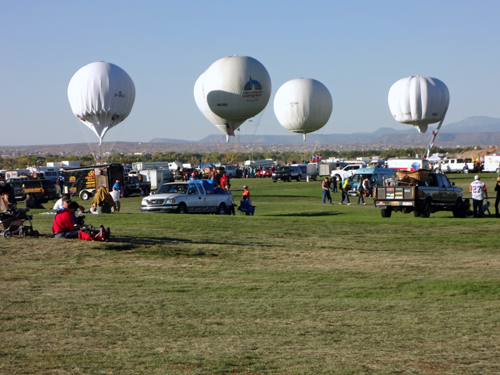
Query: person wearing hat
497,201
58,206
64,223
478,191
119,186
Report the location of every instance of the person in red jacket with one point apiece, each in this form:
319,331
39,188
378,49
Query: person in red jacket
224,181
64,223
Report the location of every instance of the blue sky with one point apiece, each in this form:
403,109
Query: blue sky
357,49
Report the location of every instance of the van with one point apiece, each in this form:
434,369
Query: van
376,175
310,170
231,170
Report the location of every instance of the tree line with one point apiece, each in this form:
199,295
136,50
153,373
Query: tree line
215,157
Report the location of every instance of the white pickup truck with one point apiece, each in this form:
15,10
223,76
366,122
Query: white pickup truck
198,196
454,165
347,171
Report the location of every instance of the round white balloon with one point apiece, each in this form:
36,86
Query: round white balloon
235,88
419,101
303,105
101,96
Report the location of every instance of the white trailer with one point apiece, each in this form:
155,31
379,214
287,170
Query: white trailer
149,165
259,163
409,165
325,169
157,177
491,163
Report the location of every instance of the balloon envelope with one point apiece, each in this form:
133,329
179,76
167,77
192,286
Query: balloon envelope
234,88
303,105
419,101
201,101
101,95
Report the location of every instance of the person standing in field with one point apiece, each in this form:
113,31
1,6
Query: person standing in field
478,191
497,201
344,188
333,183
325,186
115,194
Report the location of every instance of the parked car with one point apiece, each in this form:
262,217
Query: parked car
286,173
43,190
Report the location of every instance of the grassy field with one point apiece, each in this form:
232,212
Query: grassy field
299,288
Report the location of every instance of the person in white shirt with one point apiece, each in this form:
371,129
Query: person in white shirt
115,194
58,206
478,191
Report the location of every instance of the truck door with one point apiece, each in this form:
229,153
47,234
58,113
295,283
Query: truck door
447,193
434,187
195,201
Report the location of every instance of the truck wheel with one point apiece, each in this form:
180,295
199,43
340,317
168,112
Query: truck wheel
299,177
182,209
426,211
416,213
85,195
222,209
274,180
457,210
289,179
386,212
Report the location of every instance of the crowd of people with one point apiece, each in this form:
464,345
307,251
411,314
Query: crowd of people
330,184
66,224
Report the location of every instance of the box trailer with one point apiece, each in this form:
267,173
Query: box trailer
491,163
83,181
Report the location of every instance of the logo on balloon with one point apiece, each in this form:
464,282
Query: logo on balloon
120,95
252,90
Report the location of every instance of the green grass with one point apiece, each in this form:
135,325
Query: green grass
299,288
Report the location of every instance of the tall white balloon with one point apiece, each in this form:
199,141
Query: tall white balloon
101,96
303,105
419,101
234,89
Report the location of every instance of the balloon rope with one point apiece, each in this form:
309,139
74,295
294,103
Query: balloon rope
435,133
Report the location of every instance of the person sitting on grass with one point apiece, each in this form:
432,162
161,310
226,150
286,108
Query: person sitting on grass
64,224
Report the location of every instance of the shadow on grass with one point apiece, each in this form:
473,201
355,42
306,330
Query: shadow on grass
128,243
309,214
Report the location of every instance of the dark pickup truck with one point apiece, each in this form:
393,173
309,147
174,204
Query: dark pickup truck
134,185
422,194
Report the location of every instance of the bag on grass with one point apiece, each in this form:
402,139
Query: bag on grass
93,235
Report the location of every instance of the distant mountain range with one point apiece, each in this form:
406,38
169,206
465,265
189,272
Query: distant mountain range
477,130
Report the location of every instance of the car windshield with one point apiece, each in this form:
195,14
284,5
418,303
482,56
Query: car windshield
361,177
283,169
172,188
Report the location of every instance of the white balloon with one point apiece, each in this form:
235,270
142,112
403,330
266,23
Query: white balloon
101,96
419,101
234,88
201,101
303,105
